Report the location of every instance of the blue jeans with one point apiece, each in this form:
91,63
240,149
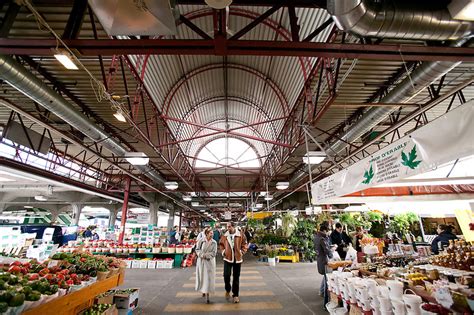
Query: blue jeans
325,288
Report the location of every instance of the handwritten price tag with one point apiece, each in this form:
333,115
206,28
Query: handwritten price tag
443,297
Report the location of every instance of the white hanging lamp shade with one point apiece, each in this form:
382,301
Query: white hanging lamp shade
218,4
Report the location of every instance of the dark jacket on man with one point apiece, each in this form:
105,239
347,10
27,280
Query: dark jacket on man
323,251
443,238
341,240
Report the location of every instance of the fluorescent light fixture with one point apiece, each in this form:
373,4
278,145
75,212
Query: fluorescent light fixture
314,157
187,198
4,179
193,194
119,116
268,197
462,9
263,193
28,207
41,198
195,204
171,185
227,194
259,205
65,59
137,158
282,185
202,210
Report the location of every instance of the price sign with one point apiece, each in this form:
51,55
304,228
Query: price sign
443,297
227,215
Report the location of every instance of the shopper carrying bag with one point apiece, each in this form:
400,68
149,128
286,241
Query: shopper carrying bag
233,245
206,265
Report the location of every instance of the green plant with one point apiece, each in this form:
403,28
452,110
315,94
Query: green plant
401,222
272,253
288,224
374,216
302,237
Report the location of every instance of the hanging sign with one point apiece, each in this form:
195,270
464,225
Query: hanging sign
227,215
445,139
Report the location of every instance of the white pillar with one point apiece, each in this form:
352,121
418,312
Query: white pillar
112,217
76,210
153,214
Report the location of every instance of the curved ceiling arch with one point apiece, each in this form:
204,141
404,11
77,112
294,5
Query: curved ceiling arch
259,156
213,100
261,147
233,66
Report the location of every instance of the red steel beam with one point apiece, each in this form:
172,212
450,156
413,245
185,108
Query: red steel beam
223,47
413,190
219,132
124,209
228,132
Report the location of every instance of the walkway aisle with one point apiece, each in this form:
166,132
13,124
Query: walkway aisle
263,290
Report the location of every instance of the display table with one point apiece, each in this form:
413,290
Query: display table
178,258
73,303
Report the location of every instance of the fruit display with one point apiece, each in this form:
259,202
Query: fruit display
27,284
98,309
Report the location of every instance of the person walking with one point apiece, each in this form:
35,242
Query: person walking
216,234
233,245
445,234
323,253
174,235
341,239
206,264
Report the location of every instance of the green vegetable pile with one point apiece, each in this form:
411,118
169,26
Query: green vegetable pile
97,309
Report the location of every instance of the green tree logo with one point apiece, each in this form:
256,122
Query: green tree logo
410,160
368,175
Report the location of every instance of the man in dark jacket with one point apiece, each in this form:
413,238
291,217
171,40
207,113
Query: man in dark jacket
445,234
341,239
323,253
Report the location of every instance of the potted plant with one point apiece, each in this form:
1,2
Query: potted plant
272,257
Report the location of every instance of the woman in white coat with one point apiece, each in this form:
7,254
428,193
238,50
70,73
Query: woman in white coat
206,264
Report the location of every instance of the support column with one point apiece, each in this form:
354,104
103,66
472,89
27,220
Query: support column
170,219
153,216
180,217
112,217
124,210
76,210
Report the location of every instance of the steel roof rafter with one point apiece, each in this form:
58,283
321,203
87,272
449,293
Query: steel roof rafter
239,99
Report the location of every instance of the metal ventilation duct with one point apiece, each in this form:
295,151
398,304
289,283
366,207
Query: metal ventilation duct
132,17
389,19
24,81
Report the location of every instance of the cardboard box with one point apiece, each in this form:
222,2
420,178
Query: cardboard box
135,264
151,264
127,301
106,299
112,310
143,264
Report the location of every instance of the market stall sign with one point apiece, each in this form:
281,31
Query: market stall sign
445,139
259,215
465,218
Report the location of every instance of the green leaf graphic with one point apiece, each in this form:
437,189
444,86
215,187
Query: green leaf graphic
410,160
368,175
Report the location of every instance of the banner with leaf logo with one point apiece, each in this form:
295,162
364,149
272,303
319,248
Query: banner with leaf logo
449,137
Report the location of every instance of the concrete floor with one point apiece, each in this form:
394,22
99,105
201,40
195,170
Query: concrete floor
264,290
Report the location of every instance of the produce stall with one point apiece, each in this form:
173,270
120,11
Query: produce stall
65,284
407,283
133,251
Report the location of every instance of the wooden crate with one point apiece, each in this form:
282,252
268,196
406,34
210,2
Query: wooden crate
73,303
333,297
355,310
